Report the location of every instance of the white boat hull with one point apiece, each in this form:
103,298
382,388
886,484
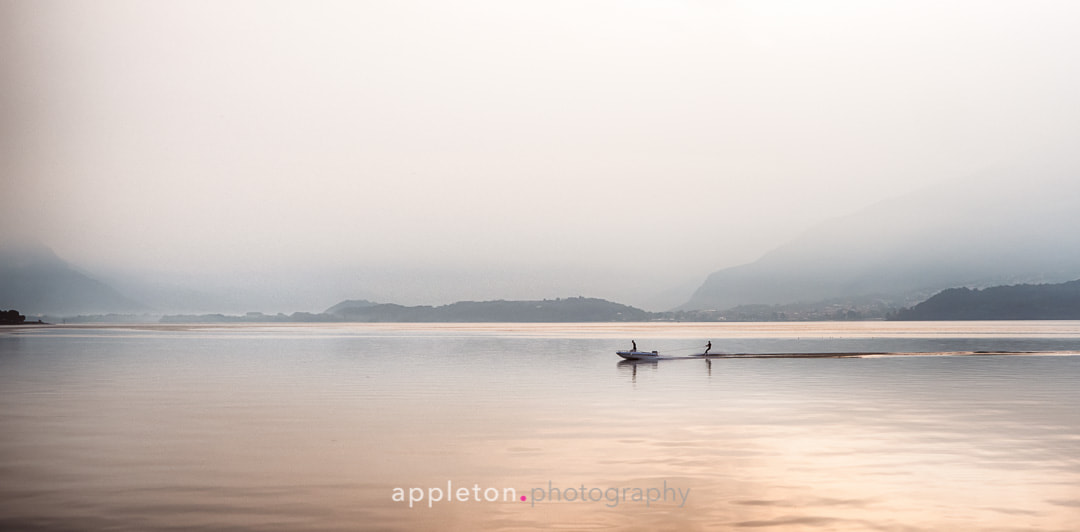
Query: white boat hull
639,355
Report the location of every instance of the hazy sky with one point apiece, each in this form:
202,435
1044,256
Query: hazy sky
637,145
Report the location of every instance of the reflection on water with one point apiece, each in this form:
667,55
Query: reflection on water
311,428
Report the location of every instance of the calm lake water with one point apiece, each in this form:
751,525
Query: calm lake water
322,427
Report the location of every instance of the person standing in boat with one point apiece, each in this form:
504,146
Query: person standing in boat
634,344
708,346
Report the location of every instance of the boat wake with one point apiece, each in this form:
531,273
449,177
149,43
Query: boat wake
645,356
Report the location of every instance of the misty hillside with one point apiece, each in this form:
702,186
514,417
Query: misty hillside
1016,302
349,307
35,281
573,309
1005,228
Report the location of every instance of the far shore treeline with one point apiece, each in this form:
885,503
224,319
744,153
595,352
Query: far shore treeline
11,317
1016,302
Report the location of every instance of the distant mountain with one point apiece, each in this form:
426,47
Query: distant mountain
573,309
35,281
1006,228
1016,302
349,306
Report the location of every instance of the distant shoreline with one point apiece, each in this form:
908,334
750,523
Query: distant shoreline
717,331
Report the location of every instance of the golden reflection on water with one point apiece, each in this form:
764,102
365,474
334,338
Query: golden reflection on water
311,429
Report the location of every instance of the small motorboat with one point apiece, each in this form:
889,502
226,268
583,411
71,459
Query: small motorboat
638,355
